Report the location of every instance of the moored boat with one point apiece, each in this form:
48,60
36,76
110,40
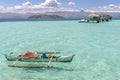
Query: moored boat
83,21
38,57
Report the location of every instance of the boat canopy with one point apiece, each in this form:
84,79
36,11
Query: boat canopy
29,55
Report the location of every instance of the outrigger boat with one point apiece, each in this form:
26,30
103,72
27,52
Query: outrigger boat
38,57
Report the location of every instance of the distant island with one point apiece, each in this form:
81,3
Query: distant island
45,16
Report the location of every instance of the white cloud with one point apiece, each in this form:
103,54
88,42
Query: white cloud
71,3
27,3
51,6
51,3
2,8
28,7
110,8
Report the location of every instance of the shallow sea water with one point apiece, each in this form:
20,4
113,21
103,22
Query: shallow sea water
96,46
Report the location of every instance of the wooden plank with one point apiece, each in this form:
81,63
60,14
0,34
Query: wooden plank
29,66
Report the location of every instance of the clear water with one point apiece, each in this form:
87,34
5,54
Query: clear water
96,46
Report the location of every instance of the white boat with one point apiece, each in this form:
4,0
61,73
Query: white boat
83,21
36,57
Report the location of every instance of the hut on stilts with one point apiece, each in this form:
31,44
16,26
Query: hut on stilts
105,17
98,17
93,18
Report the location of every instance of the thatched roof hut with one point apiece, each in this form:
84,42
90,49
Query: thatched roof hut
94,17
105,17
98,17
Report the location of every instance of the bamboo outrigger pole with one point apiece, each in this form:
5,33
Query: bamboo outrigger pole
50,60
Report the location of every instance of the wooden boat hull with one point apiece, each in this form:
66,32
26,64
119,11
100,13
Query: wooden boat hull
12,57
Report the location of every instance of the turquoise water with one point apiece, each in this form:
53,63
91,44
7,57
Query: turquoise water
96,46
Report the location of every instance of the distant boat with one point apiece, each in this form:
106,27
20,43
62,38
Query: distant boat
83,21
38,57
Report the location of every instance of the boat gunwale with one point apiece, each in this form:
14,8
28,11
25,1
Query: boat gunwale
44,59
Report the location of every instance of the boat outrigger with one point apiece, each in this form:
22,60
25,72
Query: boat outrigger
38,57
30,66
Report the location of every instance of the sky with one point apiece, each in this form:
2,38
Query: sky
35,6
